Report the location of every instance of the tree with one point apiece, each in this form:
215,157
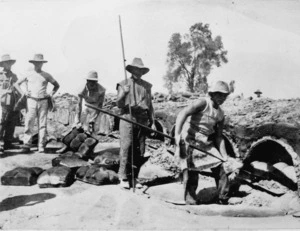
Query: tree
191,57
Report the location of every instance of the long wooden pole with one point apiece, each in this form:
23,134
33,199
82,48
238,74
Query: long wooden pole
123,50
150,129
130,112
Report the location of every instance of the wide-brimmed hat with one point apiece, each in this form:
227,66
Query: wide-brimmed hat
38,58
258,92
7,58
137,63
92,75
220,86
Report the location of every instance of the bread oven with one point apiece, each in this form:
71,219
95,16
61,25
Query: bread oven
271,159
270,154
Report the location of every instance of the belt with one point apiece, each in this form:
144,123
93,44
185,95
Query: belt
37,99
136,111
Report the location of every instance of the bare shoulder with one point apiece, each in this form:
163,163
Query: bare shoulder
196,106
101,88
47,76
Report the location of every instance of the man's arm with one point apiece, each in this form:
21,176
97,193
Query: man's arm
122,92
151,111
101,100
219,139
55,87
50,79
180,120
14,78
151,115
182,116
79,110
17,86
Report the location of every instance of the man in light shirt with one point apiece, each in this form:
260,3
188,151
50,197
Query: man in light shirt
36,82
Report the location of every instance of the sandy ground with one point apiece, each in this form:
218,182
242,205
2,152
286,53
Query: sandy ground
86,206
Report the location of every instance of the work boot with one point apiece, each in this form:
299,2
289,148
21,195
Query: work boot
25,149
137,184
190,183
222,201
124,184
190,196
41,150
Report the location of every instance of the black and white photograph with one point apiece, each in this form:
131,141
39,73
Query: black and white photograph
150,115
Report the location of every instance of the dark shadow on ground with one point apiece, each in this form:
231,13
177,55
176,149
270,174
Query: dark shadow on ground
210,195
14,152
11,203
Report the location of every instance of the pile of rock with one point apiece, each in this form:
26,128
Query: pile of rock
175,97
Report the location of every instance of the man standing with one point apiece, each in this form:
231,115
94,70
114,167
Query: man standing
136,94
8,97
37,101
92,93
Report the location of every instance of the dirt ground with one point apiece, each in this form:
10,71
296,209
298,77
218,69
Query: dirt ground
86,206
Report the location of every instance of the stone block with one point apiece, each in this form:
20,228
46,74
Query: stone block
21,176
59,176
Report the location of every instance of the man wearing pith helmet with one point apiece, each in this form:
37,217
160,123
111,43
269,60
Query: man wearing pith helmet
196,125
36,83
9,97
134,94
92,93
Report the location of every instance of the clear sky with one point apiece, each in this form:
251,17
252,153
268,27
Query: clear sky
261,36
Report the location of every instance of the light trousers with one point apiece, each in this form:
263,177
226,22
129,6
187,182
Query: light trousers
36,109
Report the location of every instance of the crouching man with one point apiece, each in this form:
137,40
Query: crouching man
92,93
195,124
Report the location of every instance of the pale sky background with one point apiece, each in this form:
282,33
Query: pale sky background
261,36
